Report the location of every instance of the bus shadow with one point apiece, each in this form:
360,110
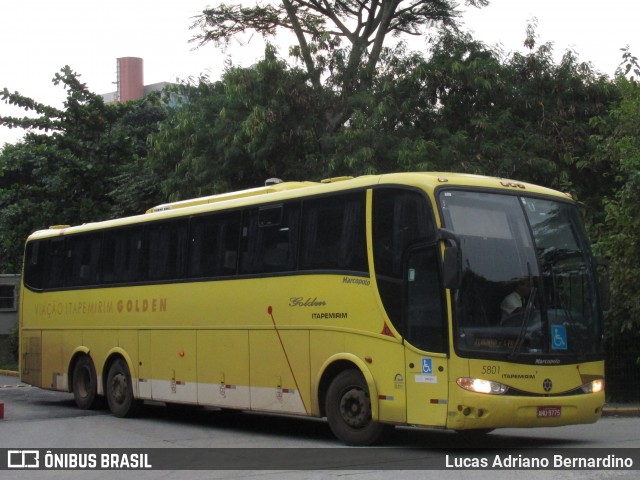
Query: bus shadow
303,428
281,426
313,429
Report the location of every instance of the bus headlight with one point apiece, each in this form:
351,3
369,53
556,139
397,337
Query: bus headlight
593,387
478,385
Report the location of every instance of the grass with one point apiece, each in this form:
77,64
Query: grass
9,365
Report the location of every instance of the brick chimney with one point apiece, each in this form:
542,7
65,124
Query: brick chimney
130,79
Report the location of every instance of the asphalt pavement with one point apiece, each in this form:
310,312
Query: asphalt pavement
10,379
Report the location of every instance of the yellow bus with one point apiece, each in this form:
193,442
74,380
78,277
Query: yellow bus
432,299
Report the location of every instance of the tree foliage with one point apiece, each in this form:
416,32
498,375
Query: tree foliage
340,42
465,108
70,173
620,146
617,143
253,124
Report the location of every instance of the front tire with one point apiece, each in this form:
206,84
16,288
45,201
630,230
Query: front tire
85,383
120,391
348,408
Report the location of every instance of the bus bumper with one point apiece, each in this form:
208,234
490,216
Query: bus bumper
483,411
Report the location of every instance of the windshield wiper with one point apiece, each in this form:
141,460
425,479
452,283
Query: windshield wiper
553,254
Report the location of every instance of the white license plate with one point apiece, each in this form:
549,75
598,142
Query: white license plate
549,412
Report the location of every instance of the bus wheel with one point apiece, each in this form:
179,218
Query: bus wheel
348,408
85,383
120,390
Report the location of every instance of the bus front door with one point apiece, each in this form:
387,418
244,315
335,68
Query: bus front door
425,340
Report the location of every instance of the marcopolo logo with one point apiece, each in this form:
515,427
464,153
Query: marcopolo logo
23,459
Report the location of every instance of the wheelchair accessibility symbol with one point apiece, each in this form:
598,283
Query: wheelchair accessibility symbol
427,366
558,337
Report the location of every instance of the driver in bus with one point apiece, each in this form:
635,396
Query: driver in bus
516,301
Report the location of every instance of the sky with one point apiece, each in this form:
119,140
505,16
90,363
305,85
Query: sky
39,37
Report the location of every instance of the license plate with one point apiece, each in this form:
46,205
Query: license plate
549,412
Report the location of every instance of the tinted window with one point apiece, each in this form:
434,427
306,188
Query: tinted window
258,240
34,264
122,255
270,239
165,249
53,263
400,218
334,234
82,260
213,249
425,321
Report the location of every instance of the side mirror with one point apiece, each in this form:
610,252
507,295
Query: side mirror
604,286
452,264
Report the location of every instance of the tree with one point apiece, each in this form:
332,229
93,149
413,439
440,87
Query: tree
253,124
465,108
524,116
71,173
618,144
619,238
340,42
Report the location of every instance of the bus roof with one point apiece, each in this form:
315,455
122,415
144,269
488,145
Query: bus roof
288,190
222,197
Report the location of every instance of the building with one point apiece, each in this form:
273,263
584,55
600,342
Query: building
130,81
9,299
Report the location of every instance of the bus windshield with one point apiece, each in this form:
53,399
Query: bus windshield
528,290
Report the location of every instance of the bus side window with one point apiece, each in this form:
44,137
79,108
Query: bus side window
333,233
121,256
36,253
82,260
165,248
401,217
54,263
213,249
270,239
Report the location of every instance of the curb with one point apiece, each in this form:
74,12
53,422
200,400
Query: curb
621,411
9,373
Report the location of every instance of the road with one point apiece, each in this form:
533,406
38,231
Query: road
39,419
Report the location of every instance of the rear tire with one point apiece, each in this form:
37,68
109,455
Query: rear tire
85,383
120,391
348,408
